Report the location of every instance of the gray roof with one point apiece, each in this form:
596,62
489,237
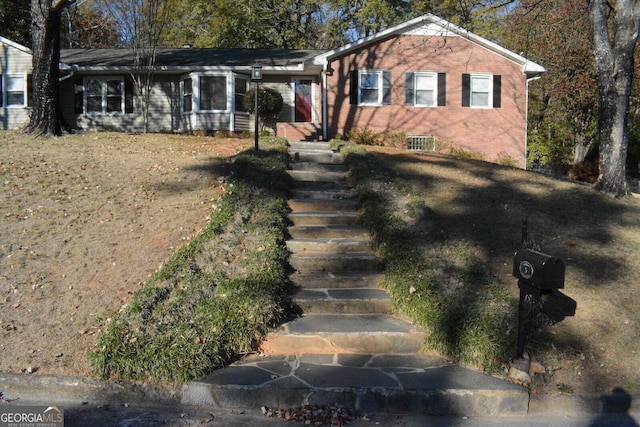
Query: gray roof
189,57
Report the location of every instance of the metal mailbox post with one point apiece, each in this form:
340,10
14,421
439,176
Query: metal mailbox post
540,276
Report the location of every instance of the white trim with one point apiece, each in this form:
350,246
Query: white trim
380,88
432,25
15,45
228,103
5,90
434,76
489,78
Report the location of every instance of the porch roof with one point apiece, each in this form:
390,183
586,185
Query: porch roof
193,59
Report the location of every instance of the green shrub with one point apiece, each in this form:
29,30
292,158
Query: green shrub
364,136
270,104
216,297
506,160
394,139
435,280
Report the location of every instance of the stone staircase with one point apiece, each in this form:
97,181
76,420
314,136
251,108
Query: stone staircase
344,346
337,273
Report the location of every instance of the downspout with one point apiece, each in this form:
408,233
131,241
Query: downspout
72,71
324,101
526,118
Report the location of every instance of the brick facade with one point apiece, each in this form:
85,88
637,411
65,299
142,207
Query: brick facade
488,131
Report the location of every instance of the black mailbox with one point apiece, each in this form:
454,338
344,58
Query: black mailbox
541,271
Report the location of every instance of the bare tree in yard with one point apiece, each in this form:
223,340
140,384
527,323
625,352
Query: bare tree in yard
46,114
615,33
141,23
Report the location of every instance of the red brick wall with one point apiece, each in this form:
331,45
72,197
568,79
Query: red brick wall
486,131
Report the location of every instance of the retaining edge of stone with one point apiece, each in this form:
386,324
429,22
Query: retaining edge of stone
77,390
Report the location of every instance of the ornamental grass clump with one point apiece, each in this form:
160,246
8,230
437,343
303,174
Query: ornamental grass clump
434,279
217,296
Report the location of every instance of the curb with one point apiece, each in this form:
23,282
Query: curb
588,403
66,390
75,391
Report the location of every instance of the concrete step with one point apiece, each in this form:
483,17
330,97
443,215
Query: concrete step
310,205
324,218
317,175
315,156
342,301
312,262
344,333
322,185
328,232
337,245
305,145
314,166
333,194
337,279
417,384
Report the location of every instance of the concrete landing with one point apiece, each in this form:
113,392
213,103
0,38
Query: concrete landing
369,383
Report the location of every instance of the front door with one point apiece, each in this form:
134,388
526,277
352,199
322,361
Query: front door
303,100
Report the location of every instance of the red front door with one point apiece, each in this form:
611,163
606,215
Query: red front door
303,100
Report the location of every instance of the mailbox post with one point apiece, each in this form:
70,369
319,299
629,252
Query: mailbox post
540,276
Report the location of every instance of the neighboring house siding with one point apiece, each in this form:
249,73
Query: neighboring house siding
13,63
492,131
163,110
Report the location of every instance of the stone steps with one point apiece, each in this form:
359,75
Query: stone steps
344,346
395,384
342,300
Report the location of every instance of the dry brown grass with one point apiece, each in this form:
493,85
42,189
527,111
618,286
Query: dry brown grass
85,219
597,237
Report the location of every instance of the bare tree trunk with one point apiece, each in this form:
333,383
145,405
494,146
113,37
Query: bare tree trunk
46,115
615,32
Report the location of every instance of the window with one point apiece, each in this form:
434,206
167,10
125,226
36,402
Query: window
370,84
186,88
14,90
240,91
481,90
426,89
213,93
104,96
370,87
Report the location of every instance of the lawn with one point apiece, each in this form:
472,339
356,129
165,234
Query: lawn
105,234
449,228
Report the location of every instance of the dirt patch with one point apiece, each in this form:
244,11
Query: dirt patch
85,219
596,236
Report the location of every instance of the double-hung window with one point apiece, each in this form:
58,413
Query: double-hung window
426,89
105,96
186,92
240,91
213,93
481,90
15,90
370,87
